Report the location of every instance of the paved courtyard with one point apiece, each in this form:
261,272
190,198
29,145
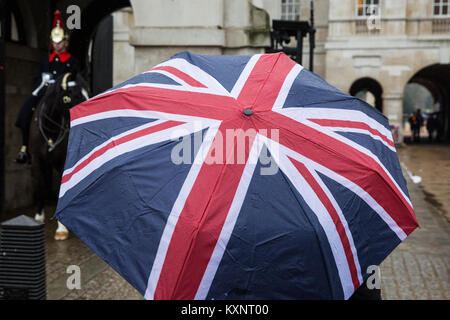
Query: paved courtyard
417,269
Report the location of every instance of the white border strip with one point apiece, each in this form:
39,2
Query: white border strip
230,221
146,114
123,148
348,233
349,185
175,213
145,126
362,131
337,114
299,115
328,226
196,73
286,87
235,92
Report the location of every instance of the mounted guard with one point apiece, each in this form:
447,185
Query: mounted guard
58,62
44,118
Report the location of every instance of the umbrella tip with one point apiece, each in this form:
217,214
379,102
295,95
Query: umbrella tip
248,112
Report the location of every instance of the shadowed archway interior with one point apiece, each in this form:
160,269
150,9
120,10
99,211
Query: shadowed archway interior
436,78
369,85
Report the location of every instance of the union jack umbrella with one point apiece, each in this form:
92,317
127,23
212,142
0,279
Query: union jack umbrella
300,210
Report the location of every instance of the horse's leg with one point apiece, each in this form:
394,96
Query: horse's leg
38,181
62,233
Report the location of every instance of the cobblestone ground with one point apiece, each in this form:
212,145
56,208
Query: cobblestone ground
417,269
98,280
430,162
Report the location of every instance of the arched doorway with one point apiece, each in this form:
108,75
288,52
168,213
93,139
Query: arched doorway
96,24
369,90
24,41
429,90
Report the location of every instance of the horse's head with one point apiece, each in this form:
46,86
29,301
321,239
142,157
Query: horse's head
71,90
53,114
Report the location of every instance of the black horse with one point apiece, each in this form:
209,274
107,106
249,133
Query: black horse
49,133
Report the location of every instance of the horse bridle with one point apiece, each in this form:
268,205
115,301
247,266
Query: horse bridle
63,126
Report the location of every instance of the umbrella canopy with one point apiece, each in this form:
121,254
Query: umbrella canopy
234,177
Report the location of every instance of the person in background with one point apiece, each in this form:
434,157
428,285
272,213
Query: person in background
412,124
431,126
418,125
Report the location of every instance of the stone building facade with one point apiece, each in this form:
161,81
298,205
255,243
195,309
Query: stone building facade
406,42
375,46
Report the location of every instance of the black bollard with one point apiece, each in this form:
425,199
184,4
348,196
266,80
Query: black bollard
22,260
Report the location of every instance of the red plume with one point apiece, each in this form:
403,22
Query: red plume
57,17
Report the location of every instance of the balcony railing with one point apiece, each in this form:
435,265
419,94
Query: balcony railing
361,28
440,26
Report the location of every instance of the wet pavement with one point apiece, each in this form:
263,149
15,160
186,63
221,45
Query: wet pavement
98,280
430,162
417,269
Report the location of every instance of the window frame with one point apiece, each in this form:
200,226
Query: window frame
366,4
440,4
13,12
293,15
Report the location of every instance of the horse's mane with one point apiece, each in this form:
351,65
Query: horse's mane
52,112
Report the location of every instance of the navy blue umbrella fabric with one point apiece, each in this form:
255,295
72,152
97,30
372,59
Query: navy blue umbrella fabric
234,177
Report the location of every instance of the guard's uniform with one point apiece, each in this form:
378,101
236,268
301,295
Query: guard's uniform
56,65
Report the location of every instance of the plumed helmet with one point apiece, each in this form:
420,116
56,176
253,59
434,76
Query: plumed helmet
58,31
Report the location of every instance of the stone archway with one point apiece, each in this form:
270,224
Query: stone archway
92,16
369,90
436,80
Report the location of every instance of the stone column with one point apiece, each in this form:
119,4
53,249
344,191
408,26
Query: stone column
163,28
123,55
393,110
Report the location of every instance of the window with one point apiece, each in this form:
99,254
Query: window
290,9
14,29
441,8
367,8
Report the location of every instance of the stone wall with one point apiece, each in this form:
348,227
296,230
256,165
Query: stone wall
22,63
163,28
123,52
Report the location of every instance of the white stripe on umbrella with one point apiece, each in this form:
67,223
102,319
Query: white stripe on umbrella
146,140
300,116
288,82
176,210
324,218
343,221
349,185
230,221
244,76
